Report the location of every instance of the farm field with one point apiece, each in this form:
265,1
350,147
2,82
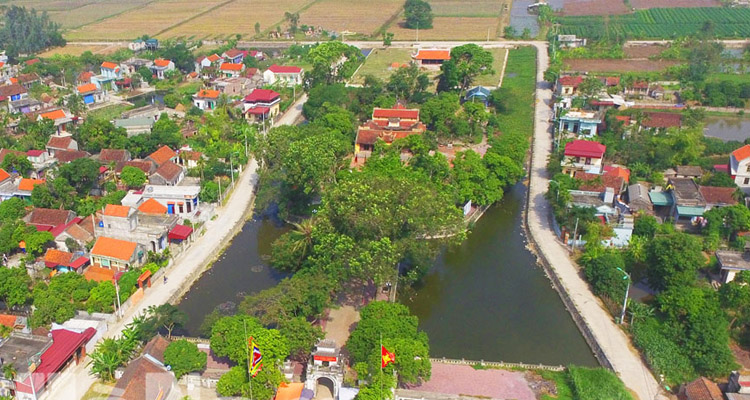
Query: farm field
497,66
238,17
379,62
674,3
78,50
660,23
73,18
608,65
151,19
594,7
466,8
450,28
643,51
361,16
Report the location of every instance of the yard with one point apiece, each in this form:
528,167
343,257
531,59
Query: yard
268,13
466,8
109,113
492,80
363,17
610,65
379,62
152,19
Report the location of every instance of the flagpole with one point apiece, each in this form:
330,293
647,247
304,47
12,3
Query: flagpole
381,365
247,353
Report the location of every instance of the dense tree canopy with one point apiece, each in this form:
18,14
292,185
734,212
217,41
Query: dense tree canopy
466,63
673,260
418,14
184,357
28,32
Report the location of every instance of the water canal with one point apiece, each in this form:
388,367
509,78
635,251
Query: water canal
485,299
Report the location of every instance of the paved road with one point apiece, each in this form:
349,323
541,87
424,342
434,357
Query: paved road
615,344
187,267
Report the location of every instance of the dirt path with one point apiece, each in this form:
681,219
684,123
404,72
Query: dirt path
340,323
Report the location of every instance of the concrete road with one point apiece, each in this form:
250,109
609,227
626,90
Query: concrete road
186,268
616,346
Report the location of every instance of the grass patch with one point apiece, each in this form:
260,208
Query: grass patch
734,78
109,113
98,391
562,381
378,63
598,383
493,79
518,88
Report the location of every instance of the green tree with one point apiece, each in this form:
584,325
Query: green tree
17,163
646,226
332,62
591,86
301,336
418,14
27,32
673,260
165,316
474,181
12,209
398,329
293,19
257,28
102,297
15,286
408,83
604,277
105,359
466,63
387,38
133,177
96,134
82,174
184,357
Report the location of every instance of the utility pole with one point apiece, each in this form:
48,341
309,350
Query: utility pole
575,233
231,168
627,290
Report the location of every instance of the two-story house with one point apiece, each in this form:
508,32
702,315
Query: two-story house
283,75
578,122
235,56
109,73
115,254
204,62
13,92
127,223
60,143
60,117
583,155
739,165
261,105
169,174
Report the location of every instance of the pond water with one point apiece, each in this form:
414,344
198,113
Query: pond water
484,300
727,128
488,300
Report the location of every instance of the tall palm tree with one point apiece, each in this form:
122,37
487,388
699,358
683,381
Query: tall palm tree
9,371
301,237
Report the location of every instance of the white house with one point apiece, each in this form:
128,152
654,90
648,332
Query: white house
180,200
161,67
206,99
284,75
739,165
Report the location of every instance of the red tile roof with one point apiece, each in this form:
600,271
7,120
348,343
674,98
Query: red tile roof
3,175
718,195
570,80
66,156
151,206
60,142
258,110
180,232
700,389
114,248
85,76
109,65
232,53
54,257
279,69
98,274
162,155
143,379
395,113
433,55
49,216
262,95
64,344
231,67
640,85
79,262
742,153
89,87
114,210
8,320
623,173
34,153
169,171
12,90
585,148
117,155
612,81
214,58
598,183
28,184
32,61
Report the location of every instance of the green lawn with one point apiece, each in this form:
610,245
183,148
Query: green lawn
109,113
379,62
493,79
518,88
734,78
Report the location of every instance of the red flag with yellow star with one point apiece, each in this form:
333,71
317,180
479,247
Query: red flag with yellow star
387,357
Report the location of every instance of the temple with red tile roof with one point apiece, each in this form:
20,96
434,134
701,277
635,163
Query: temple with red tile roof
387,124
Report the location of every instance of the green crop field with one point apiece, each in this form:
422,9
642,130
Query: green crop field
659,23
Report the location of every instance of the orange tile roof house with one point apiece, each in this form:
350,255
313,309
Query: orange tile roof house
152,206
60,117
161,67
27,185
387,124
115,254
432,57
162,155
206,99
739,166
231,70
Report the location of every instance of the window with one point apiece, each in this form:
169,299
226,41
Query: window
746,181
